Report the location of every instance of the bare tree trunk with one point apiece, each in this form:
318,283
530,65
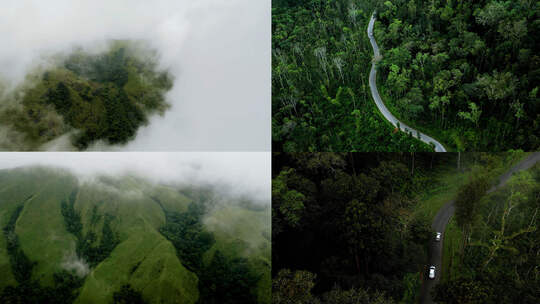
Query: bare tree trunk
459,161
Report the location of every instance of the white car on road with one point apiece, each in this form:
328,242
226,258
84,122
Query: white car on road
438,236
432,272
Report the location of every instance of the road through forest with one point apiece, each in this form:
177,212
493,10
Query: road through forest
377,98
441,220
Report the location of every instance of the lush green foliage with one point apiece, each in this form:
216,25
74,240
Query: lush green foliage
21,265
103,97
320,94
227,281
465,71
223,280
64,291
93,254
467,202
72,219
498,257
295,287
186,232
127,295
28,290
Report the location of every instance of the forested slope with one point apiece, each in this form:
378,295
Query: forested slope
321,58
126,240
465,71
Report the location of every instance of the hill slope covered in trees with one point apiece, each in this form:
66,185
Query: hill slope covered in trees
126,240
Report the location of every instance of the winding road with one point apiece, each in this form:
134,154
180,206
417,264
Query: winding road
377,98
441,220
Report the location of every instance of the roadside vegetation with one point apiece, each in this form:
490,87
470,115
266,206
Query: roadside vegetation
321,57
356,227
464,72
494,244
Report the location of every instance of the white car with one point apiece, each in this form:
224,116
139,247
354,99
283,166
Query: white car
438,236
432,272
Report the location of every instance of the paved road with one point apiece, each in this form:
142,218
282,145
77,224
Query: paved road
441,220
377,98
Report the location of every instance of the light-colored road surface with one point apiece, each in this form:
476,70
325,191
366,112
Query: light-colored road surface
441,220
377,98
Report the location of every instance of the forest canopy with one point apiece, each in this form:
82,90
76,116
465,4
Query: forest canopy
89,97
463,72
321,58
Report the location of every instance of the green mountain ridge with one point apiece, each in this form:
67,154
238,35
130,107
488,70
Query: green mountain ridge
121,231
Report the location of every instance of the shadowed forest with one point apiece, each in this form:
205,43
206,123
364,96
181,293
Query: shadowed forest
356,227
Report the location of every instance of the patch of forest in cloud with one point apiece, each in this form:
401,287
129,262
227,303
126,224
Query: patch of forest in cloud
82,98
217,53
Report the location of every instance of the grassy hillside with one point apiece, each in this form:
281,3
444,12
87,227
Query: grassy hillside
108,233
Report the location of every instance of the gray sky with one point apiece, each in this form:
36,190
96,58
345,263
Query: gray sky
244,172
218,50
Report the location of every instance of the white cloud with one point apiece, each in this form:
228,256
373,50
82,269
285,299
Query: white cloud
242,172
218,51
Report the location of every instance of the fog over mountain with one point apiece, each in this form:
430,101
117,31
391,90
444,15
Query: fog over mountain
217,50
241,173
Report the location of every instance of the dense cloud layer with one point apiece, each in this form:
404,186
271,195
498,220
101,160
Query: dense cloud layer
241,172
218,50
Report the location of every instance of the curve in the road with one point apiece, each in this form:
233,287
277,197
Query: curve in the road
377,98
443,216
